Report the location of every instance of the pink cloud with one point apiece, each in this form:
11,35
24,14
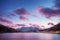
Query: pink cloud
49,12
23,18
50,23
5,20
23,13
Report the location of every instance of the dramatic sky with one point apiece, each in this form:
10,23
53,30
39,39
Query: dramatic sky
40,13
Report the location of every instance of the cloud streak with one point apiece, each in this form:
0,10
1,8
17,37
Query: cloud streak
49,12
5,20
23,18
21,25
50,23
22,13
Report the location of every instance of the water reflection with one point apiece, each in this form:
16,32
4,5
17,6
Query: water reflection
29,36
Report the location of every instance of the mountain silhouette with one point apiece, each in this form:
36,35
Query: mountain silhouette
54,28
4,29
28,29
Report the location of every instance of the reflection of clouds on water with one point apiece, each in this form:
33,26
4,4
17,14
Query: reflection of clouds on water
47,37
29,36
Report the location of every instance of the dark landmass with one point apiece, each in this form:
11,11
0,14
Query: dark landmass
54,29
5,29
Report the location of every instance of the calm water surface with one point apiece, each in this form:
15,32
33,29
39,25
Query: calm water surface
29,36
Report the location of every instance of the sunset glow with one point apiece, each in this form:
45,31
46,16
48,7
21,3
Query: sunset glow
35,13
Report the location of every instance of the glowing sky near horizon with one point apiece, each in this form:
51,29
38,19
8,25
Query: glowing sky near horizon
14,12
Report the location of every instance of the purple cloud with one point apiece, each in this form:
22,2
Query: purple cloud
49,12
21,25
50,23
5,20
23,18
21,12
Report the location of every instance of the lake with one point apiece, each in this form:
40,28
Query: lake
29,36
